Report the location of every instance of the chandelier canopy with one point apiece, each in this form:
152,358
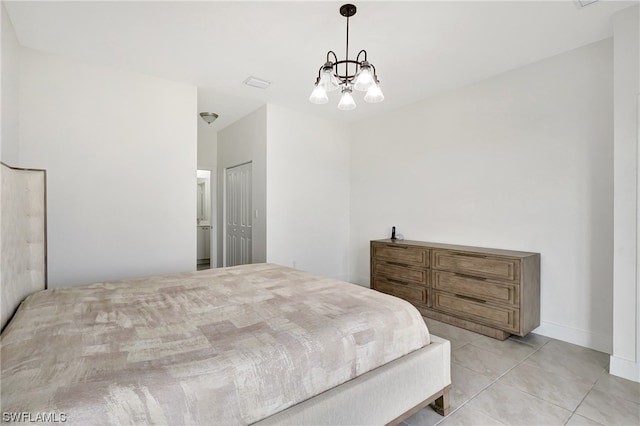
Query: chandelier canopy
358,74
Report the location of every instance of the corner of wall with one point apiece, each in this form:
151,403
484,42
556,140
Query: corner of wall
625,360
587,338
624,368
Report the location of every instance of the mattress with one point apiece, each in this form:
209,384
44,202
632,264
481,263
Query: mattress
225,346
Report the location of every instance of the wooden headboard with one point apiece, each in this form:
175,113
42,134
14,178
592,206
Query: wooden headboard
23,237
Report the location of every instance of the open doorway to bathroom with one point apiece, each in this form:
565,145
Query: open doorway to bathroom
204,221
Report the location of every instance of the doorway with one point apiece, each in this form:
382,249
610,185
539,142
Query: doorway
237,210
204,220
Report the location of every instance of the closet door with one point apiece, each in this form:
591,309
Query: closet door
238,215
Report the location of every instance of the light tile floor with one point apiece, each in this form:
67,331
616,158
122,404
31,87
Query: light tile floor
533,380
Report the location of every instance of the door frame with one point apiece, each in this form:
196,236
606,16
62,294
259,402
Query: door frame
213,235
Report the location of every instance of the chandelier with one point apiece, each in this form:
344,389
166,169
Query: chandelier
362,78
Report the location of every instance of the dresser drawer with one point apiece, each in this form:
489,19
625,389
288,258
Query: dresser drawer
481,288
503,317
401,253
401,273
477,264
409,292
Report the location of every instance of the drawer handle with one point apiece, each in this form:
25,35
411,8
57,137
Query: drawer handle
470,277
404,265
398,247
397,281
482,256
472,299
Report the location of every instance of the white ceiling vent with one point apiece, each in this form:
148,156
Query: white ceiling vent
257,82
583,3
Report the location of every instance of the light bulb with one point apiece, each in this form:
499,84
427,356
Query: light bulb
327,80
364,80
346,101
319,95
374,95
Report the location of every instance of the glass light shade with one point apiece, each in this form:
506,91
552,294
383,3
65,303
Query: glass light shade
364,80
346,101
209,117
328,81
374,95
319,95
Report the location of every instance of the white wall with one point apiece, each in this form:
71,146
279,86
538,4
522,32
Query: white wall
241,142
9,68
625,360
307,192
207,145
120,153
519,161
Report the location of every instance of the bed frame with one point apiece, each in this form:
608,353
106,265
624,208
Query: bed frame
386,395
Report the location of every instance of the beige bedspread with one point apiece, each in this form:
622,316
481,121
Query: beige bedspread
222,346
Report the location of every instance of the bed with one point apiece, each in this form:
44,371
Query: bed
253,344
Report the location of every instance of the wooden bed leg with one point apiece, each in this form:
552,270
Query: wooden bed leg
442,404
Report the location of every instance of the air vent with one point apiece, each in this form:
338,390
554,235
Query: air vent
257,82
583,3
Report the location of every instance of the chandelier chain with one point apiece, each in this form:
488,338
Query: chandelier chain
346,64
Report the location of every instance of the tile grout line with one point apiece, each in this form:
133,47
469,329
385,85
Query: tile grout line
498,378
585,397
494,380
519,363
565,377
541,399
473,396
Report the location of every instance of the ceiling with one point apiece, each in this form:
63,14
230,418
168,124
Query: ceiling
419,48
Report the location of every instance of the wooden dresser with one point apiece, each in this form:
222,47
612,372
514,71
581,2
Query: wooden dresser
489,291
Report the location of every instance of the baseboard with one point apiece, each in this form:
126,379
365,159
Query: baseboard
588,339
624,368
